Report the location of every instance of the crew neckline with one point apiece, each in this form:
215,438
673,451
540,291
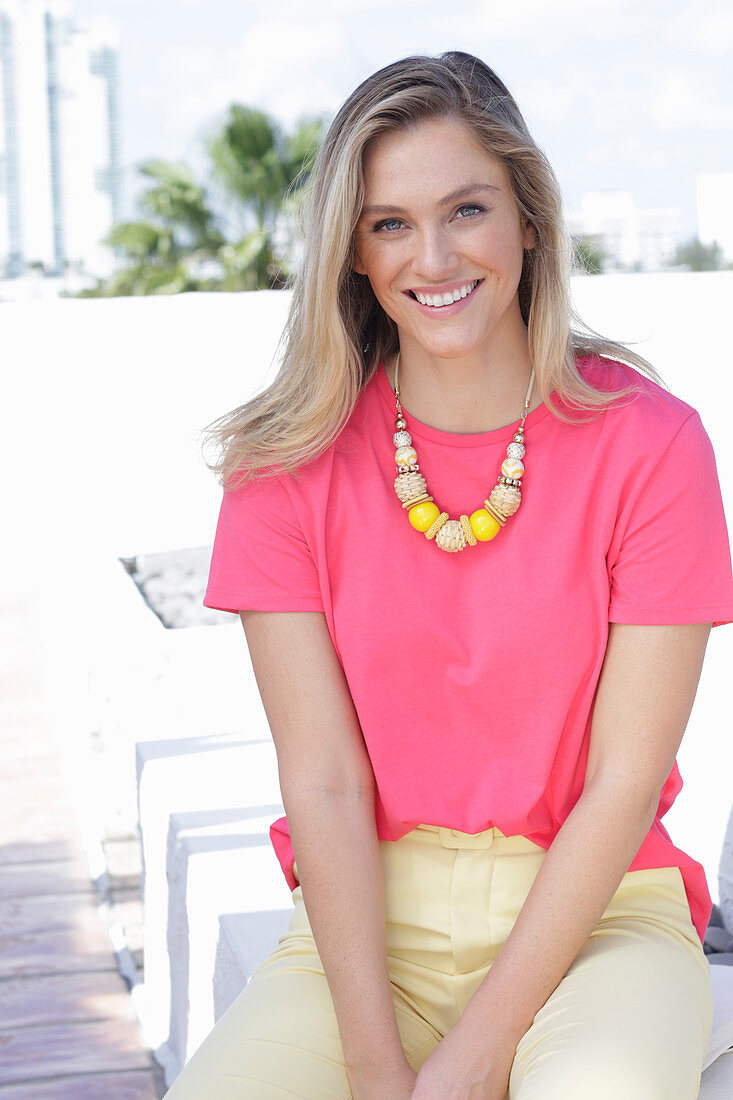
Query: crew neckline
456,439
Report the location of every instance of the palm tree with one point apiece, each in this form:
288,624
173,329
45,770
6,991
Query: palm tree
257,171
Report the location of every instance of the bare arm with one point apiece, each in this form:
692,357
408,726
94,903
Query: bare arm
327,786
646,691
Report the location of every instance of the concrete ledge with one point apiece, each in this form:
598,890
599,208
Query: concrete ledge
218,861
725,876
245,940
717,1082
196,774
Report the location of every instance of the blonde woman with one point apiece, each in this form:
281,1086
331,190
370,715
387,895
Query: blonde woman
477,551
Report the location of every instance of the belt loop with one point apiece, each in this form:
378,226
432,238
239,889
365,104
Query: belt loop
453,838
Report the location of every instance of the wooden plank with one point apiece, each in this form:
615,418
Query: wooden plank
42,849
68,876
136,1085
30,1053
63,950
50,911
64,998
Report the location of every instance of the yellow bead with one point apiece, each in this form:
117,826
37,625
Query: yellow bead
423,515
484,526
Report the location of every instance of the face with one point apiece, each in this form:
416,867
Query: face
440,225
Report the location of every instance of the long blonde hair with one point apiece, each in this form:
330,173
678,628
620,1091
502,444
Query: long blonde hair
337,333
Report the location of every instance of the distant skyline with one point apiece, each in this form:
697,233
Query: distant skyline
619,96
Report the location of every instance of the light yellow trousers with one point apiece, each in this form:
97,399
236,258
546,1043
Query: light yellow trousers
629,1021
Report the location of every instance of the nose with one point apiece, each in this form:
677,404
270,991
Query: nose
435,256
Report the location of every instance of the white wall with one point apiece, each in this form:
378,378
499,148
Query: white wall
101,457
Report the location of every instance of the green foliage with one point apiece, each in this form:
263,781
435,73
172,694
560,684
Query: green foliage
696,256
181,244
589,255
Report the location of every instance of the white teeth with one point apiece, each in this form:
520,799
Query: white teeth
447,299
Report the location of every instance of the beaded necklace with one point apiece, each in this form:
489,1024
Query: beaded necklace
453,535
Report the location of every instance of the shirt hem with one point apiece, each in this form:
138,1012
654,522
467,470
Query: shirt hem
669,615
286,601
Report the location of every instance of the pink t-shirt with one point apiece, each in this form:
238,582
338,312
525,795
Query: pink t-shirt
473,674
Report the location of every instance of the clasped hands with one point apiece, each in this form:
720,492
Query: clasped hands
462,1067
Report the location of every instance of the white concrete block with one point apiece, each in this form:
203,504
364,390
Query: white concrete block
717,1081
221,773
245,940
219,861
725,876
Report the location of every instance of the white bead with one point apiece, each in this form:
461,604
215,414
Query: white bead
515,450
404,439
405,456
512,467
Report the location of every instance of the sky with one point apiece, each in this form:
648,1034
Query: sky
619,94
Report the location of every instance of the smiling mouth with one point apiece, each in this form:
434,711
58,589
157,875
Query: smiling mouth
440,301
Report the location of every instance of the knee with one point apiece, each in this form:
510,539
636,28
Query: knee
602,1079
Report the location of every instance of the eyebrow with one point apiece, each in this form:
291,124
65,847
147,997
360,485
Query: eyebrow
459,193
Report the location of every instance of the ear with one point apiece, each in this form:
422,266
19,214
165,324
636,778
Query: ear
530,236
356,264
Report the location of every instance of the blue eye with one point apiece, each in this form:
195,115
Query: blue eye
390,224
472,207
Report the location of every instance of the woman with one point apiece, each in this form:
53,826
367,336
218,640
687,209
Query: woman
476,711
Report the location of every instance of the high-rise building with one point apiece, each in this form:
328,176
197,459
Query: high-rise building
715,210
60,171
632,238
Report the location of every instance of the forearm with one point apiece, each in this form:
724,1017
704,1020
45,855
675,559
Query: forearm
578,877
339,866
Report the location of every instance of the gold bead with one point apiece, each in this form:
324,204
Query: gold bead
467,531
435,527
499,516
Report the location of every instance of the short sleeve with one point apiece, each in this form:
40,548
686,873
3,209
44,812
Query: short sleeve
670,559
261,560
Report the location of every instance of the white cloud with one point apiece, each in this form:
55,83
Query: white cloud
680,102
524,17
705,27
282,67
549,100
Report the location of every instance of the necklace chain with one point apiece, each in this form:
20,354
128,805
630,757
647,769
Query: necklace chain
485,523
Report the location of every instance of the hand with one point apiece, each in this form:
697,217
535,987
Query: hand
463,1068
397,1084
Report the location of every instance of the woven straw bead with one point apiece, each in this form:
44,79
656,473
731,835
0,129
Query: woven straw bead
435,527
505,498
410,486
467,531
450,537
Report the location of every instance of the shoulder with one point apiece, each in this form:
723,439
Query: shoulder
650,409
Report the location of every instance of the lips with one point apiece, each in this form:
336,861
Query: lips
437,299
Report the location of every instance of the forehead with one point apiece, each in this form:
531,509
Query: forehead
433,153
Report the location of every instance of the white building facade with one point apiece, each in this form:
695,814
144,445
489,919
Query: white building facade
715,210
633,239
60,170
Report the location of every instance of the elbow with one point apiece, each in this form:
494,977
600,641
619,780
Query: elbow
633,793
334,790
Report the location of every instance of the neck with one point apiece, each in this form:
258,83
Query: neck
465,395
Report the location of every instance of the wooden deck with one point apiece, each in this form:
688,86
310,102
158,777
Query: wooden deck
67,1028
